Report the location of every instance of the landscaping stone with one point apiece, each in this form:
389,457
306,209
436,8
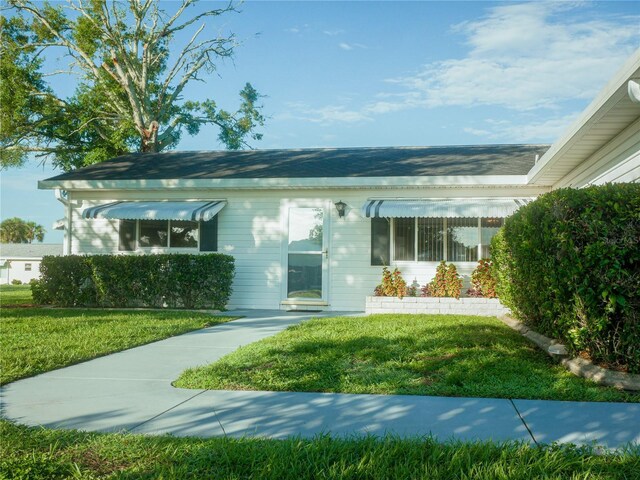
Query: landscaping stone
578,366
488,307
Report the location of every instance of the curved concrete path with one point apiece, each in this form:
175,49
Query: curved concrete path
131,391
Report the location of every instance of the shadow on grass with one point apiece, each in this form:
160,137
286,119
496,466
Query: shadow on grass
480,360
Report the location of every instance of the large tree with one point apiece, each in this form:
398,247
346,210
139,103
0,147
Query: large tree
16,230
132,63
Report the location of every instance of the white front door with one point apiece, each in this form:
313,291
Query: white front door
307,254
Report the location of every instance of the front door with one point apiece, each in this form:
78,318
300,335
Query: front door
307,255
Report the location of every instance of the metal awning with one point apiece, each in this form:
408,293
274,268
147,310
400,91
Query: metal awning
449,208
194,211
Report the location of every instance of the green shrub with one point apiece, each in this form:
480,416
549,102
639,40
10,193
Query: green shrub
15,281
173,280
568,264
446,283
483,282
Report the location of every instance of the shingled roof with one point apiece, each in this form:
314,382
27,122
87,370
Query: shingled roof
316,162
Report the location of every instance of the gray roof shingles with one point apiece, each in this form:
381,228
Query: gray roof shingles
29,250
316,162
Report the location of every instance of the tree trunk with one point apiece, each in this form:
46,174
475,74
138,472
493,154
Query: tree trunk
150,139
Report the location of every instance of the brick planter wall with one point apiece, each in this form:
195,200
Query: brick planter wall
488,307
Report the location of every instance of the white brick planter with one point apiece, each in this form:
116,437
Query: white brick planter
487,307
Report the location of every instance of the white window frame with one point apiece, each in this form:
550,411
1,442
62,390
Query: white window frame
168,247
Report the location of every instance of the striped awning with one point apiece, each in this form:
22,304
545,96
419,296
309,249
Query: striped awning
194,211
449,208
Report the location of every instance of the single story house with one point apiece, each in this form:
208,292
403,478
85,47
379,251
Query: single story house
21,261
312,228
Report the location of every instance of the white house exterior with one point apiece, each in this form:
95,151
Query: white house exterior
21,261
275,211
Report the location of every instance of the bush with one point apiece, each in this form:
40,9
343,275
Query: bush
173,280
393,285
483,282
15,281
446,283
568,265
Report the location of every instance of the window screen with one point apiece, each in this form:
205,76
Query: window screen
209,235
127,235
462,239
154,233
431,236
489,227
380,241
183,234
404,230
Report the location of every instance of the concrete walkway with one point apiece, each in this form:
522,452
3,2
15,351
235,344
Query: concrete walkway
131,391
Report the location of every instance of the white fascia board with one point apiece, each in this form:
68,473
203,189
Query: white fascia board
289,183
608,96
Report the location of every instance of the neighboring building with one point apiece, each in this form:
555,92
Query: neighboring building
311,228
21,261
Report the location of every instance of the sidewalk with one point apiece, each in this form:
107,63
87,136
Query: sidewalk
131,391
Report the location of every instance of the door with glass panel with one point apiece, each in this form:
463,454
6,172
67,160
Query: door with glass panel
306,255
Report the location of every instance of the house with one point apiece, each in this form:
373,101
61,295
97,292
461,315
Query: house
312,228
21,261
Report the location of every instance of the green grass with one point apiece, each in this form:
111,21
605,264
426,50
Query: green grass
444,355
36,340
15,295
49,454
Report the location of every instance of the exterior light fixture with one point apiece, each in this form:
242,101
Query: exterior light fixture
341,207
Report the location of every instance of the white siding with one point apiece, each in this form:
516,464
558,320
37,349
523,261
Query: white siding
16,270
253,229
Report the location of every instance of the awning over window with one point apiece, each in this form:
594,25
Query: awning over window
194,211
450,208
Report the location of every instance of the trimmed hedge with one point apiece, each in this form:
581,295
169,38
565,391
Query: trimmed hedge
171,280
568,265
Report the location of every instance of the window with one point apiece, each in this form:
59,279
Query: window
404,233
380,241
432,239
27,267
168,234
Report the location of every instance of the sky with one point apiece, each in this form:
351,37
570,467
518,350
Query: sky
338,74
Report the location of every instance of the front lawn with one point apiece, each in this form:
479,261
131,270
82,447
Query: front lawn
36,340
443,355
15,295
49,454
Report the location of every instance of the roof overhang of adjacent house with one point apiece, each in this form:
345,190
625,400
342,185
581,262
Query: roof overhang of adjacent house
612,113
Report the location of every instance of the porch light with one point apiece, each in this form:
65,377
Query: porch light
341,207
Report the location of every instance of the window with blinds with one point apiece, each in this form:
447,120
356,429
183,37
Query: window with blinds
435,239
404,234
431,235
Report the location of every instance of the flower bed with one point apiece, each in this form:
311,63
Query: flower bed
487,307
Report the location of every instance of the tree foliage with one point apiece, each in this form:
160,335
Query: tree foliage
16,230
131,80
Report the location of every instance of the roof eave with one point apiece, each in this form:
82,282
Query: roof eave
609,96
297,183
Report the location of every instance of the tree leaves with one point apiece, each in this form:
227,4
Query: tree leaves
129,81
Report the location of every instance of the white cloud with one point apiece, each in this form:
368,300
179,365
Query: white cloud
523,57
351,46
333,33
507,131
326,115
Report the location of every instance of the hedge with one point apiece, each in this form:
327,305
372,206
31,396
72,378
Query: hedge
568,265
172,280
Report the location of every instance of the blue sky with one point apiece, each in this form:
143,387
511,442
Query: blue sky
397,73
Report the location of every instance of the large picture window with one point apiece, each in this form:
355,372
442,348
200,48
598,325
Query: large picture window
436,239
168,234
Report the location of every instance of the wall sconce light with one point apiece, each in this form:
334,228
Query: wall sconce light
341,207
